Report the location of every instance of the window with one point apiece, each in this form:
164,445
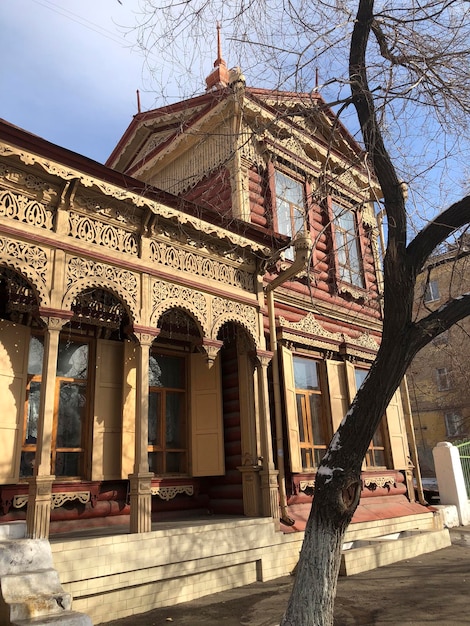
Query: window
443,379
348,252
31,417
431,292
454,423
290,207
167,428
70,421
376,454
312,428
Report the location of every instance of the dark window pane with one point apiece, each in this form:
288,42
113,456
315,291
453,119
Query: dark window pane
156,462
154,419
33,413
36,354
175,463
68,463
166,371
27,463
72,407
300,412
315,413
174,421
72,361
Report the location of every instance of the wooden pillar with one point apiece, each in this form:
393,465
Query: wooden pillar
268,475
141,479
40,485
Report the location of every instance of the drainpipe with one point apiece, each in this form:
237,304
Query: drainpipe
412,442
302,247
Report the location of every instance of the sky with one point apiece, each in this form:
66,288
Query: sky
70,71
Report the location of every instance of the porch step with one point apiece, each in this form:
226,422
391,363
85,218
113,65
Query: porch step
362,555
66,618
30,589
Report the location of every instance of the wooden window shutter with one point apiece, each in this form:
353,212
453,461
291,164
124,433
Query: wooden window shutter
207,434
350,381
107,418
14,351
291,410
128,408
338,391
397,432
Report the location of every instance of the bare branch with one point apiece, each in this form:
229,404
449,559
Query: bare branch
437,231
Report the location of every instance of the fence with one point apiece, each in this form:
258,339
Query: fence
464,451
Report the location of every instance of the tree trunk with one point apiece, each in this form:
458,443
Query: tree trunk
312,600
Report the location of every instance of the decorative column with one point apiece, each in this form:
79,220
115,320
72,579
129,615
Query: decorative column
40,485
141,479
269,475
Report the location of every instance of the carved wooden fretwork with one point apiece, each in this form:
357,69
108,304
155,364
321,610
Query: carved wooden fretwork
206,155
168,493
224,311
29,260
306,485
23,209
374,482
166,296
308,331
19,180
200,265
365,341
119,193
90,230
153,142
83,274
102,221
309,325
57,499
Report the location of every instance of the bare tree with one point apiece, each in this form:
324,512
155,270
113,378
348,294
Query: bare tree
408,67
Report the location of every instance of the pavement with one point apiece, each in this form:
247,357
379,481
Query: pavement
430,589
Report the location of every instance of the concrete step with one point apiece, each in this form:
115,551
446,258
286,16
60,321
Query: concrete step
40,606
23,555
66,618
366,554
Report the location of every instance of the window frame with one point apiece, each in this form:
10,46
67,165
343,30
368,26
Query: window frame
341,269
375,449
443,379
431,287
302,210
451,425
162,392
86,423
309,449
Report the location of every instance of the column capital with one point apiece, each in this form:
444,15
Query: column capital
146,334
55,319
211,348
264,357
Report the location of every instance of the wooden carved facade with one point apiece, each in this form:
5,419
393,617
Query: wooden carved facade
154,342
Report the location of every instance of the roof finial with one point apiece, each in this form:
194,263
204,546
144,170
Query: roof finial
219,78
219,60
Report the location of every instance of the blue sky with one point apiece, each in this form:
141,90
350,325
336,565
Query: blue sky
69,71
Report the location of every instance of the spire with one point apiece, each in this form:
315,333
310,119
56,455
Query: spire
219,77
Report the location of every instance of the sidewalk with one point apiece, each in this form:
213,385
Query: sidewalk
429,589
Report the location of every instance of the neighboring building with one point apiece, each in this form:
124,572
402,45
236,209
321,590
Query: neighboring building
144,307
439,377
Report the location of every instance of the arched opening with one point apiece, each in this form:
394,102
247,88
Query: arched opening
237,369
90,347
